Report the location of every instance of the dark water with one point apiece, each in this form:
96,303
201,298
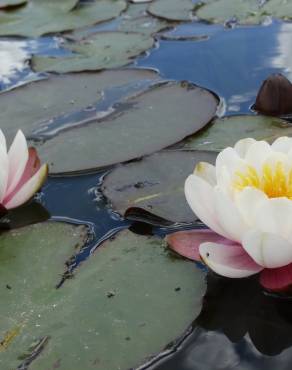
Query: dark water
239,327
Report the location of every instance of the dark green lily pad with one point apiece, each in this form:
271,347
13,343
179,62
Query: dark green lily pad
102,50
110,306
155,184
141,125
40,102
40,17
172,10
224,132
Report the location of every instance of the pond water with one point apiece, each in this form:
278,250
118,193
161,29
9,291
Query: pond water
239,326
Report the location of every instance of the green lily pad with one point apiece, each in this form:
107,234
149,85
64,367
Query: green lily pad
141,125
136,19
155,184
28,106
110,306
278,8
102,50
9,3
245,11
172,10
41,17
224,132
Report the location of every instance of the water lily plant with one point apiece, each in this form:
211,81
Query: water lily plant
246,202
21,173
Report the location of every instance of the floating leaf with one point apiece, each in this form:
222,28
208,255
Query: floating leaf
278,8
155,184
40,17
242,11
38,103
224,132
136,19
142,125
102,50
172,9
111,305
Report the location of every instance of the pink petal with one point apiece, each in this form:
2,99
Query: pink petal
29,188
230,261
18,157
186,243
279,279
32,166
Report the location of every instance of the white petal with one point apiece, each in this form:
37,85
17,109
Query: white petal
18,156
242,146
229,216
3,141
247,201
257,154
3,172
228,159
267,249
207,172
29,188
282,144
275,215
230,261
200,197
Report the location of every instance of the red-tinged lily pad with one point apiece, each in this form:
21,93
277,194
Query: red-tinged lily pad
187,243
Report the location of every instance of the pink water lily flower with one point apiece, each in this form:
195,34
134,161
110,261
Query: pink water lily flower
246,201
21,174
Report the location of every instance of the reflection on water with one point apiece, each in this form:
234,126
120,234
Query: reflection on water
239,327
232,62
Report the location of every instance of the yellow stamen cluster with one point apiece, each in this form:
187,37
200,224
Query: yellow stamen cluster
274,180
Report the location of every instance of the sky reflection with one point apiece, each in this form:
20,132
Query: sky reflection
231,62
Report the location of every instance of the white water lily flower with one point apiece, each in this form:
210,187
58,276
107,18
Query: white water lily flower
246,199
21,174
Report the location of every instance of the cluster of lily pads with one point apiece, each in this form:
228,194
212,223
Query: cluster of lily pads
148,133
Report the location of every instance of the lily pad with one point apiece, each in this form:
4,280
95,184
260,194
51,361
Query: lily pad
39,17
172,10
279,8
155,184
136,19
102,50
9,3
37,103
111,305
141,125
224,132
220,11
